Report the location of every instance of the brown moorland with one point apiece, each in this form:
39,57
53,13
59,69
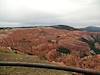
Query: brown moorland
71,48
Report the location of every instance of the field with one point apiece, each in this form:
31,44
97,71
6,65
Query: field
46,45
11,56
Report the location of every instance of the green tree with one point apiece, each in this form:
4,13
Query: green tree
63,50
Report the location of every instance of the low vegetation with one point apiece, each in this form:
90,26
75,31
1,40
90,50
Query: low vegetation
47,45
11,56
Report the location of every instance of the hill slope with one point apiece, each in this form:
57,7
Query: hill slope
64,27
55,45
91,29
13,57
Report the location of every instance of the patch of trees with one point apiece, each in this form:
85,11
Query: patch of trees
63,51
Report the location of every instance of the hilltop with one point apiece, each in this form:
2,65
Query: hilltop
91,29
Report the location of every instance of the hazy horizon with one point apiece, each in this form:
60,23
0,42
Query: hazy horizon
75,13
32,25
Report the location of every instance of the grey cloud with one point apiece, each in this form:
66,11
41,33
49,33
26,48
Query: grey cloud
84,17
88,16
35,17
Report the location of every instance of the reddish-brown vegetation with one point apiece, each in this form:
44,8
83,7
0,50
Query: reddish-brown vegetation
44,43
33,41
91,62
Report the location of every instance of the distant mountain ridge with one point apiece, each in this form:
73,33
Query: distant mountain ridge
66,27
88,29
91,29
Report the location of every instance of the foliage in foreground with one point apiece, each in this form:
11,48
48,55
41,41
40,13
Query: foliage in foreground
11,56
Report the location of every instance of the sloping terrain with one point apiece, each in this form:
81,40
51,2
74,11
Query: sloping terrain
91,29
43,41
71,48
9,56
63,27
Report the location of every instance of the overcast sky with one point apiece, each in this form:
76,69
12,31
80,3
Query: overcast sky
76,13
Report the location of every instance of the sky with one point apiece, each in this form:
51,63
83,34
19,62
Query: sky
75,13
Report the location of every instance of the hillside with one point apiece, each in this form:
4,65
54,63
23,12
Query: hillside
6,55
91,29
71,48
32,41
66,27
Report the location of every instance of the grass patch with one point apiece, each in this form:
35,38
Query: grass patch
30,71
11,56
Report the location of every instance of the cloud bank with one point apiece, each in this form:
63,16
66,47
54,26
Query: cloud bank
76,13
